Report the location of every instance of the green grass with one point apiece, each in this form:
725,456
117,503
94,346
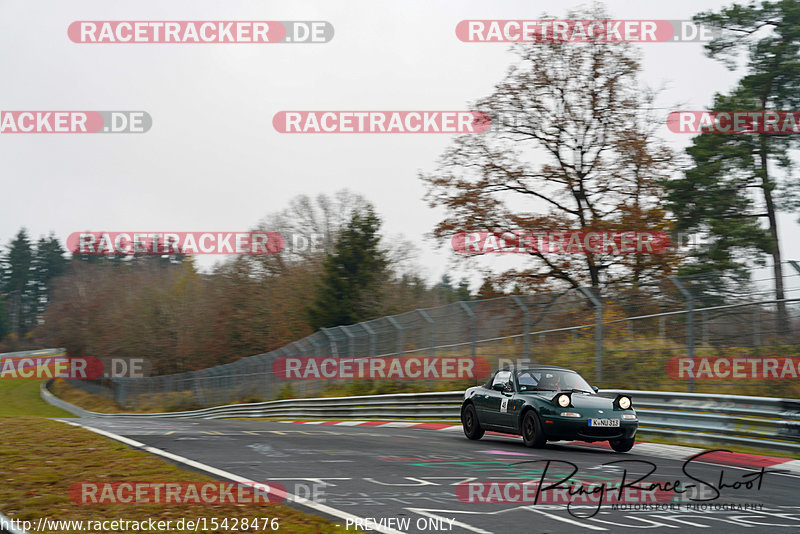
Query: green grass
21,397
43,458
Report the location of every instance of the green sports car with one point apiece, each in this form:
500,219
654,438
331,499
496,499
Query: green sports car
545,403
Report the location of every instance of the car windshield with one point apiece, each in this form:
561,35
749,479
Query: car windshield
551,380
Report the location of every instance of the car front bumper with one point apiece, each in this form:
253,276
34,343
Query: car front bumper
565,428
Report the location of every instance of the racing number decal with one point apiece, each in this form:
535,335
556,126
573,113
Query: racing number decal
504,405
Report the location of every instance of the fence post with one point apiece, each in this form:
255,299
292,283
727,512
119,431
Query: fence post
431,324
301,352
526,334
689,322
371,334
269,364
351,345
598,331
399,329
704,326
117,391
474,328
796,266
331,342
756,329
315,345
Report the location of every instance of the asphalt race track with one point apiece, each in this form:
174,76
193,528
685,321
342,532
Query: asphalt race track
412,475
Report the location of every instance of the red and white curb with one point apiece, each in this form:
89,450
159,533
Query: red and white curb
653,450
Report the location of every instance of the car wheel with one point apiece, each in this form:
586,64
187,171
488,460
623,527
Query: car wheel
469,420
532,434
621,445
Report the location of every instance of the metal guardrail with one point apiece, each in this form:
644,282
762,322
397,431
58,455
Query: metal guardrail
758,422
399,406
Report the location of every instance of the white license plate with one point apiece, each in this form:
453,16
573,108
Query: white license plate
604,422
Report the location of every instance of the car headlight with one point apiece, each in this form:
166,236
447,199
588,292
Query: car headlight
563,400
624,402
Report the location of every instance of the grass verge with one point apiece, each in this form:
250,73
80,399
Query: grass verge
87,401
41,459
21,397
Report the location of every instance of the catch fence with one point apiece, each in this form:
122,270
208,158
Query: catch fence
626,340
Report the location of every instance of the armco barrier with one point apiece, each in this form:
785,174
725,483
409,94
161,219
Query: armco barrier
758,422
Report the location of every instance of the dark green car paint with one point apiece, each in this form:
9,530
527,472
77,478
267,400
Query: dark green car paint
503,411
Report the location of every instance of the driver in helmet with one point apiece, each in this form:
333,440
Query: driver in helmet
550,381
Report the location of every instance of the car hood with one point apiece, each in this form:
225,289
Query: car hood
579,400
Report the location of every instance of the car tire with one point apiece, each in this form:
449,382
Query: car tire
532,434
470,423
621,445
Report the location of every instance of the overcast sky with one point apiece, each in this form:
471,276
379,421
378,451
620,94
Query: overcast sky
212,160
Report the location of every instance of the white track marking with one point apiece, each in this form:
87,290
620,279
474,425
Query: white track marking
322,508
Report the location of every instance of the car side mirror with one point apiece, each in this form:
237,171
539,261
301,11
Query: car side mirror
508,388
498,387
595,389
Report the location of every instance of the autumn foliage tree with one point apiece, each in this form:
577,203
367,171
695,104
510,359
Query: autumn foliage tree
180,319
572,147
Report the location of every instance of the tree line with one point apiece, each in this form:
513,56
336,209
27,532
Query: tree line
166,309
